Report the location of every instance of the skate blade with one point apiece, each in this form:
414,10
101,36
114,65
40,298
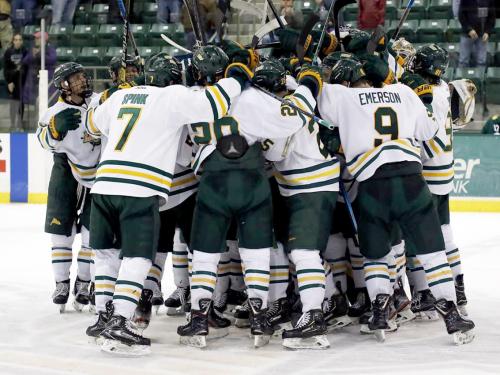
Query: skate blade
339,322
462,310
95,340
194,341
217,333
380,335
62,309
117,348
260,340
175,311
242,323
278,329
156,309
319,342
404,316
78,306
92,309
140,323
365,329
461,338
430,315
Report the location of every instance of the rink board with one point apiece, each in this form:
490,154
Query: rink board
25,171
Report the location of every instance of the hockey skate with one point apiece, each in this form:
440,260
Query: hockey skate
92,298
242,316
309,332
81,293
380,316
365,319
460,292
219,325
236,297
157,299
460,328
422,305
195,332
402,306
94,331
120,337
176,303
61,295
361,305
277,314
260,328
142,315
335,312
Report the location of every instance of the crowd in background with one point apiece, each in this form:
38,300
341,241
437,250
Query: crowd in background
21,58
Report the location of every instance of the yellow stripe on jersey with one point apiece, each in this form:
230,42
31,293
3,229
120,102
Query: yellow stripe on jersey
219,98
434,147
92,128
438,174
159,180
177,183
331,172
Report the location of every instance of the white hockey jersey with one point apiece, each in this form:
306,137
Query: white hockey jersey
255,116
437,155
82,150
377,125
143,125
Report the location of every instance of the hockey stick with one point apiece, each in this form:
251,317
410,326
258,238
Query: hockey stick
304,34
190,13
123,68
377,34
174,44
337,7
350,211
124,14
292,105
197,19
323,32
265,29
403,19
275,12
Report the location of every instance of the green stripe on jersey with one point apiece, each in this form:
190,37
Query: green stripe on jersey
132,182
309,169
224,94
301,97
212,103
136,165
437,167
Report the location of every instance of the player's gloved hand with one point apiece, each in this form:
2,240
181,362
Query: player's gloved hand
419,85
377,70
330,139
292,65
310,76
240,72
64,121
288,39
237,53
328,45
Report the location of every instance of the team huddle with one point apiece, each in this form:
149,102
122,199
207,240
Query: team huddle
293,197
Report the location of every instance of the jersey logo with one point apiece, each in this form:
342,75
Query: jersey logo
87,138
55,221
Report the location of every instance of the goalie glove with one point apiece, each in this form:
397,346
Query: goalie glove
64,121
463,101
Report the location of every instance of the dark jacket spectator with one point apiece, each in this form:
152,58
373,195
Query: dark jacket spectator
23,12
477,15
294,17
14,77
31,63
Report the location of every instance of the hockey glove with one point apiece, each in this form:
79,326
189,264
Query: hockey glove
288,39
237,53
310,76
64,121
377,70
328,45
239,72
419,85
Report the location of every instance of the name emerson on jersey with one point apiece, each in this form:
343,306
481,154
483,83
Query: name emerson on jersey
378,97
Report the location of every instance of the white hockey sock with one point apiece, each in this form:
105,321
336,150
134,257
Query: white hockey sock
222,283
62,255
438,274
236,275
377,276
133,272
357,262
84,257
452,252
180,263
335,257
204,276
155,273
92,265
416,274
256,267
330,287
310,278
400,257
391,263
280,272
107,266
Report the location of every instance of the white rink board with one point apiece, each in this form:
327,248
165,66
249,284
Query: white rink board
36,339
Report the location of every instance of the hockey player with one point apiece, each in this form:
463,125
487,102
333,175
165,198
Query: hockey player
143,126
62,131
378,130
234,186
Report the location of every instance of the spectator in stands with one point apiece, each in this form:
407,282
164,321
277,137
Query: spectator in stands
208,14
455,6
492,125
371,14
293,17
477,18
31,65
14,77
5,25
168,11
63,11
23,12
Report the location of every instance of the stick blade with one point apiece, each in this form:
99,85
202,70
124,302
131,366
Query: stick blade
306,30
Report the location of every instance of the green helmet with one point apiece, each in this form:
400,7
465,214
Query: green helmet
208,64
162,70
271,75
431,60
332,58
116,63
350,70
62,74
356,41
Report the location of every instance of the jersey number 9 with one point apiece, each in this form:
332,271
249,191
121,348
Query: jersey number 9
386,123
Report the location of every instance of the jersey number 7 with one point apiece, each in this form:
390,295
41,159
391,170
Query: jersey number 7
134,114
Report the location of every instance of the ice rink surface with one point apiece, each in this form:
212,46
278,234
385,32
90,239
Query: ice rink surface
36,339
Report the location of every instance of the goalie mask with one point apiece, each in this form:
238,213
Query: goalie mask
71,79
463,102
404,53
